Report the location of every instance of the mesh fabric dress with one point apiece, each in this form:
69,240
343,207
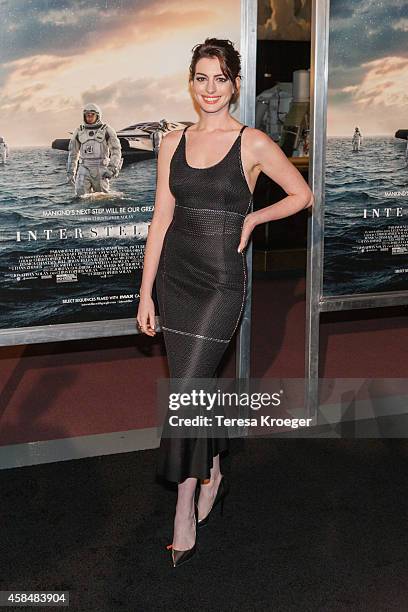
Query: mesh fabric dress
201,287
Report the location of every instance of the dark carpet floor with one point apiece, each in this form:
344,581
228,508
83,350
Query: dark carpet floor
317,525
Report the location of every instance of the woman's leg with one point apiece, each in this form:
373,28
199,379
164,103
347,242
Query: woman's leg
208,490
184,521
189,357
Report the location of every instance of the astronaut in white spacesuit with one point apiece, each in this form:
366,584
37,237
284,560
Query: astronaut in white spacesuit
4,150
357,139
94,154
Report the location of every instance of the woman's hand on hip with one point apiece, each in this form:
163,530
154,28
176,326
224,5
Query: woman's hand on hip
247,228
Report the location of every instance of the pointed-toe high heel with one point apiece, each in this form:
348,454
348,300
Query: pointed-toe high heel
181,556
223,489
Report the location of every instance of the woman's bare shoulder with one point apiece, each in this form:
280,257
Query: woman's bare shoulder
172,136
257,137
170,140
258,143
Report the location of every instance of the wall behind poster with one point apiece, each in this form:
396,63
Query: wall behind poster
366,210
66,259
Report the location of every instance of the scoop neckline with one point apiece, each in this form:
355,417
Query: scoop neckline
213,165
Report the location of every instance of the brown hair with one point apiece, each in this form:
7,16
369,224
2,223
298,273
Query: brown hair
228,56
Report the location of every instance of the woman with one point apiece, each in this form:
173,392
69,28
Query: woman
205,180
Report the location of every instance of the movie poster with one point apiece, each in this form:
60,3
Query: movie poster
284,19
366,193
88,88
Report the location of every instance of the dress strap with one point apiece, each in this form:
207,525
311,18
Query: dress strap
185,129
242,129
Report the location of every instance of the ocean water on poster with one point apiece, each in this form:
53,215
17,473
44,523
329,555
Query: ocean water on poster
34,180
354,182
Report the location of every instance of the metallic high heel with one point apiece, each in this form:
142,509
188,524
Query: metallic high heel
181,556
223,489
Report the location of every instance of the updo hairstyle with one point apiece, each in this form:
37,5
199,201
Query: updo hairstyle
228,56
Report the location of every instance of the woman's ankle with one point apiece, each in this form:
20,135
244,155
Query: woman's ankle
185,510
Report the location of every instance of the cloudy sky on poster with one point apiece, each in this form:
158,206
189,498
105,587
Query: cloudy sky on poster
368,67
129,56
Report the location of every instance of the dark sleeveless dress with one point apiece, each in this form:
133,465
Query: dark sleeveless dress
201,287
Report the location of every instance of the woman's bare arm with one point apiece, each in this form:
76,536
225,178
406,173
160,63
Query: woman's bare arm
262,154
162,217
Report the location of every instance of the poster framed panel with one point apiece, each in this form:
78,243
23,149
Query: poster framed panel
358,233
365,215
71,261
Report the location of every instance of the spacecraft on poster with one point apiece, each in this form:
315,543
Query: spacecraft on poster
139,141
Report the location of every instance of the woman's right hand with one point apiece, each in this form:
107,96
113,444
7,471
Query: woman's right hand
145,316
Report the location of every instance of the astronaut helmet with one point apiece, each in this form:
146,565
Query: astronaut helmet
93,108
